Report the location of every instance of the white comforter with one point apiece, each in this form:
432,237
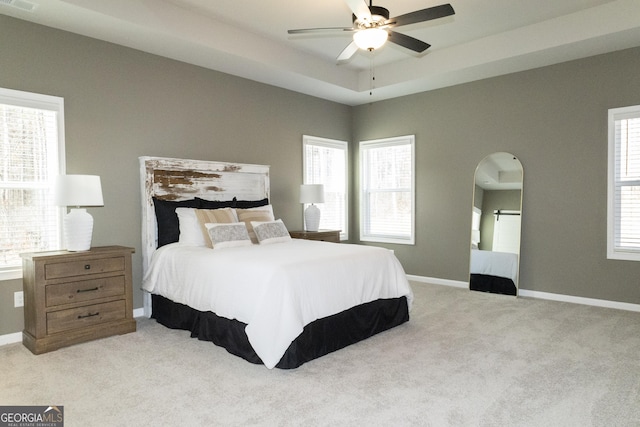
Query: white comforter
500,264
276,289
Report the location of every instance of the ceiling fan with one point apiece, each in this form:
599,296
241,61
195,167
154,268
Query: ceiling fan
372,27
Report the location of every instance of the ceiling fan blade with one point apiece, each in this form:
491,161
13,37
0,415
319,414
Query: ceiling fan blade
348,52
423,15
408,42
359,9
320,30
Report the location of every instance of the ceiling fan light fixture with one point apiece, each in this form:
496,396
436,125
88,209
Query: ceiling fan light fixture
370,38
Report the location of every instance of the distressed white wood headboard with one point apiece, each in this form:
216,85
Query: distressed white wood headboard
181,179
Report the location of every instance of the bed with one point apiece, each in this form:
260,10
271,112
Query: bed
275,301
495,272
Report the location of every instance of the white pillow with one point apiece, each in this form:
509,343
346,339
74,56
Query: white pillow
228,235
190,231
270,232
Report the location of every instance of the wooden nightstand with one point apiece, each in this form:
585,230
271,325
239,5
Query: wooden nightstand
324,235
73,297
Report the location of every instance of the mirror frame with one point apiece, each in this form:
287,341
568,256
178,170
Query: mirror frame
499,174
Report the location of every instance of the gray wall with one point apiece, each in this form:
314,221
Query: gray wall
554,119
121,104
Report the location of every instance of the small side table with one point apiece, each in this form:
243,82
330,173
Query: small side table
74,297
324,235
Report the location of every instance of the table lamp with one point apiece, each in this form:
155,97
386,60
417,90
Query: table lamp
312,193
78,190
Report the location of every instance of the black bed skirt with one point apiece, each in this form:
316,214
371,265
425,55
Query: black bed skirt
493,284
318,338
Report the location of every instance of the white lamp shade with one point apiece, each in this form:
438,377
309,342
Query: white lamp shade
312,193
371,38
78,190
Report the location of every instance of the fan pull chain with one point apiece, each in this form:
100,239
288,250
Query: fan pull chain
372,76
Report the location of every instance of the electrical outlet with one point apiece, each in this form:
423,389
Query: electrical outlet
18,299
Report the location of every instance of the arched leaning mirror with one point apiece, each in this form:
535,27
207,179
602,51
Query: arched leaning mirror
495,225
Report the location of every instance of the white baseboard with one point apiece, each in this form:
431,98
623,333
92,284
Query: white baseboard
436,281
580,300
11,338
538,295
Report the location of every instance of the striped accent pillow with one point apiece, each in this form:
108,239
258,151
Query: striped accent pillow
259,214
214,216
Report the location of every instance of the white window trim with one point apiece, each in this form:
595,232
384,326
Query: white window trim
408,139
44,102
612,251
331,143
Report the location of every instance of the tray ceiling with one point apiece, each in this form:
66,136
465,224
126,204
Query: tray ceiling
485,38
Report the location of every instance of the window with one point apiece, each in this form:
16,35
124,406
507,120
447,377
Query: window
387,190
623,211
31,144
325,162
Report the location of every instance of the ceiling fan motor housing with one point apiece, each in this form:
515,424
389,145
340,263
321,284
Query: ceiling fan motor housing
378,15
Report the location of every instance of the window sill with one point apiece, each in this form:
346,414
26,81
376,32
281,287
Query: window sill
11,274
397,241
624,255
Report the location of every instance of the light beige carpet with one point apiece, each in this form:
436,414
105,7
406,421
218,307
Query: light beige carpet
464,359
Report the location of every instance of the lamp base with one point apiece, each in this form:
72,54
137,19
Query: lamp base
312,218
78,228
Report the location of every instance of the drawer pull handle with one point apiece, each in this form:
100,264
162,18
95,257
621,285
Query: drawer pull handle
87,290
89,315
87,266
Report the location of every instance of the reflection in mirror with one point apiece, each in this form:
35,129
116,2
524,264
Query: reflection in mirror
495,225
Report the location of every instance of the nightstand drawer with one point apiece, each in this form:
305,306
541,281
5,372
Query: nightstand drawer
64,320
81,268
84,290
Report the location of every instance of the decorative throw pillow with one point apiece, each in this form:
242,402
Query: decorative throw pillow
210,216
259,214
270,232
190,232
228,235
